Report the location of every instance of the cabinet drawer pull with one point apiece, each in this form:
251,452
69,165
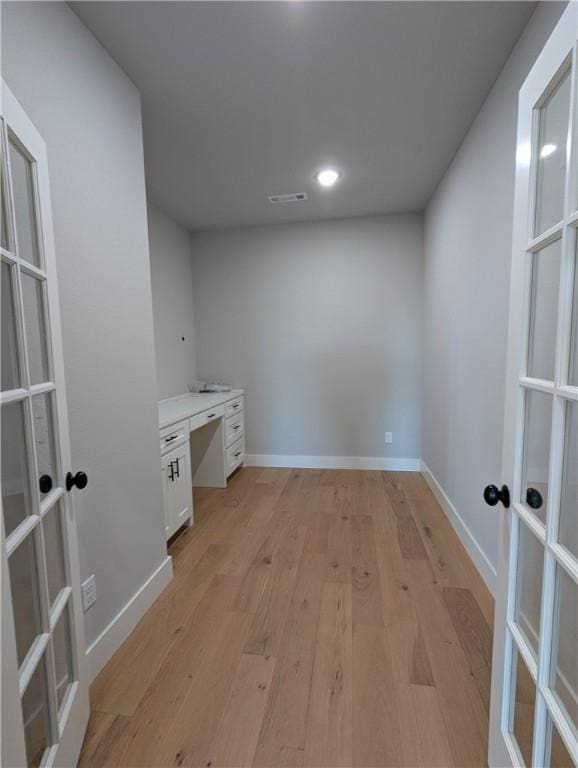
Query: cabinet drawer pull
238,454
236,405
171,438
236,428
210,416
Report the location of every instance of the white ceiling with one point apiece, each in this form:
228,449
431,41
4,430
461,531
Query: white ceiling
243,100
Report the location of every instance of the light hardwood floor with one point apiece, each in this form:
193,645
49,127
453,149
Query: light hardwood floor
316,618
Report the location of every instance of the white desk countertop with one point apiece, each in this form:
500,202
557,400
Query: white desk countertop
183,406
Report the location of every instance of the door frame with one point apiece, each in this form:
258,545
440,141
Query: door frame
549,66
76,709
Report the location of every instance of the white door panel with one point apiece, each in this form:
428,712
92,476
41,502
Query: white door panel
44,677
534,704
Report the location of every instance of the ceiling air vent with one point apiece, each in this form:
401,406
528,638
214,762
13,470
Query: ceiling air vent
296,197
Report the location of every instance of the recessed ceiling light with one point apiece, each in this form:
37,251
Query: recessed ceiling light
548,149
327,177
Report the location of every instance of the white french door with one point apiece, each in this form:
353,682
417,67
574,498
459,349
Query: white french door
534,704
44,677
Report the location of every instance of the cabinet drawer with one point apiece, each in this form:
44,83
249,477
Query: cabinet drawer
234,428
235,455
234,406
205,417
174,435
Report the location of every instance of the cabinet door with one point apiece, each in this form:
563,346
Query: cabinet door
177,489
181,487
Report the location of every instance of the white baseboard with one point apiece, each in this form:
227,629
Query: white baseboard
114,635
484,566
333,462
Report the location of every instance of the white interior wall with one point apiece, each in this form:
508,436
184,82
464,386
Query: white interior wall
89,114
468,236
172,290
321,323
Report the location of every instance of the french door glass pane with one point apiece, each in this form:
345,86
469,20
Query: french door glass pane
529,586
54,550
62,656
24,206
568,530
25,598
538,424
559,757
544,310
573,368
10,369
44,436
564,680
16,503
35,715
522,708
34,315
553,136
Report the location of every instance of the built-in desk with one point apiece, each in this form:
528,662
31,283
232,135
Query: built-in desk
202,439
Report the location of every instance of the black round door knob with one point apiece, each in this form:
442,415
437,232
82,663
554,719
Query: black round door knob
493,494
45,483
534,498
79,480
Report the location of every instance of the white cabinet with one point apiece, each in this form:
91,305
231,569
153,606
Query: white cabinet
177,489
202,442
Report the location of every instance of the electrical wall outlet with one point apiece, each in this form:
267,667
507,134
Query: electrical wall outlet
88,593
388,438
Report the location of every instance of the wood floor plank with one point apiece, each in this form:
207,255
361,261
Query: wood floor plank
317,538
315,618
236,737
282,737
471,627
103,740
305,503
272,475
161,703
122,683
188,739
259,573
376,724
421,673
365,580
410,543
339,538
463,711
474,635
450,561
271,612
423,733
398,604
329,725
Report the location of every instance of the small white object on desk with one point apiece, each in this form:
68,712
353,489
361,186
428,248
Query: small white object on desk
202,439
